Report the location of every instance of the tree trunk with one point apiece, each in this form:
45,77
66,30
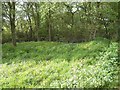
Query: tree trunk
72,25
12,21
106,31
37,20
30,24
49,24
119,23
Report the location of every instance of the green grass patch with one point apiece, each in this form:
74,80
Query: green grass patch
59,65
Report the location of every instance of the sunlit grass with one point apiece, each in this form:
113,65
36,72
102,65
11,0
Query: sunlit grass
52,65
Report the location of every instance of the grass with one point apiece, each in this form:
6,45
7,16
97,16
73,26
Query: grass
59,65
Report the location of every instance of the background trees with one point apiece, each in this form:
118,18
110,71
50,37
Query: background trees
68,22
91,64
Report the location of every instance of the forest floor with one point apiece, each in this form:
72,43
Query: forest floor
56,64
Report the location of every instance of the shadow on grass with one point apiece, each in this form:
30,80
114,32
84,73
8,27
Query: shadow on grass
40,51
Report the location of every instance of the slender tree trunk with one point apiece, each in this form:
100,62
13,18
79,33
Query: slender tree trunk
30,24
49,24
37,20
119,26
106,31
12,21
72,26
30,29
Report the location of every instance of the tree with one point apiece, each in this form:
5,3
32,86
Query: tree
67,22
12,21
37,20
28,6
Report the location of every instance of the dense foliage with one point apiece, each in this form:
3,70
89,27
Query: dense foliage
56,64
60,21
82,47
